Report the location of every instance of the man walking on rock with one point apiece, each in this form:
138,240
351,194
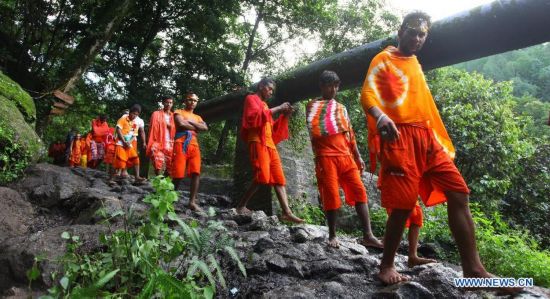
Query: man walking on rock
409,139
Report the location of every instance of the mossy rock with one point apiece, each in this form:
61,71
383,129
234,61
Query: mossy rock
22,100
13,123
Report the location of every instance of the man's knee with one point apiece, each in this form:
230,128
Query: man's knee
457,198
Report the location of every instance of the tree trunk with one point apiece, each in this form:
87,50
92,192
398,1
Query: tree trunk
230,124
108,21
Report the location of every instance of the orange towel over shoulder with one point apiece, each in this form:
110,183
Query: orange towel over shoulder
396,84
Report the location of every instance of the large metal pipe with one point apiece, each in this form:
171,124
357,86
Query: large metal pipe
497,27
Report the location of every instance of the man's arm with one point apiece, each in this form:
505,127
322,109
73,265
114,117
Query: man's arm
119,133
182,124
357,157
198,126
141,132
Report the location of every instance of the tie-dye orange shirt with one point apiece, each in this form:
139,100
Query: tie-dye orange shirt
396,84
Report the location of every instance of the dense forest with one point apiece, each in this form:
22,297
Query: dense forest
110,54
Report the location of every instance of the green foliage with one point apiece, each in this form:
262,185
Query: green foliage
529,70
508,252
488,137
297,127
529,195
436,230
14,158
312,214
504,251
536,115
151,260
378,219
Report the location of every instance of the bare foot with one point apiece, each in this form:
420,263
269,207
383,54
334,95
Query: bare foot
193,206
243,211
139,180
371,242
333,242
416,260
291,218
391,276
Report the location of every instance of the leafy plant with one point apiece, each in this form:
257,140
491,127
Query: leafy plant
13,158
150,259
504,251
312,214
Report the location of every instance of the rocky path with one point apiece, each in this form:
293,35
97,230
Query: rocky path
281,261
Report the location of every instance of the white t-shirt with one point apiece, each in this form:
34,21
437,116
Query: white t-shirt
139,124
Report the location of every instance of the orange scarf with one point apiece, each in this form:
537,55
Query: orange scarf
396,84
325,118
157,131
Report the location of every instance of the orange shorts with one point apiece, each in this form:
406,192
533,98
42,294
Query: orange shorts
125,157
333,172
416,217
266,165
109,154
161,157
190,160
415,158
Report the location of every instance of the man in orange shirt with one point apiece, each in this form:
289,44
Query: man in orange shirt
187,155
100,129
262,134
161,136
126,152
76,151
337,159
407,135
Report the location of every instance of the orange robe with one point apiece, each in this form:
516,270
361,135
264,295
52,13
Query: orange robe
159,144
262,134
396,85
99,130
75,153
186,157
126,156
110,147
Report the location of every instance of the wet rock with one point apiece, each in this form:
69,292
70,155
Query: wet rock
299,235
17,254
16,214
253,236
49,185
409,289
263,244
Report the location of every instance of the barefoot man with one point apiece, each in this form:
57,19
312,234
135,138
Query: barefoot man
187,154
262,134
409,139
161,137
414,223
337,159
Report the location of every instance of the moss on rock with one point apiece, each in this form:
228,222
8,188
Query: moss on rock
19,143
22,100
14,123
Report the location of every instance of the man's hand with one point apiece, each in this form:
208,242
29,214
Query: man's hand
285,107
289,110
387,128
